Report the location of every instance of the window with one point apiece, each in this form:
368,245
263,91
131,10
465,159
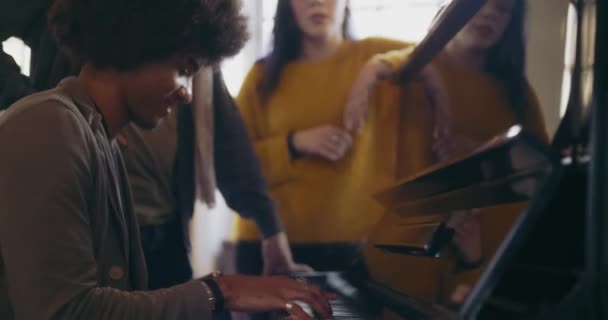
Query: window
20,52
400,19
569,57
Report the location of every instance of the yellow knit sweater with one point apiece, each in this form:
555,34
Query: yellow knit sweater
318,200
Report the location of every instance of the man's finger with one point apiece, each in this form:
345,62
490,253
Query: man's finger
296,312
301,268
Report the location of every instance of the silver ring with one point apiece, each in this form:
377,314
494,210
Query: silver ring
288,307
303,282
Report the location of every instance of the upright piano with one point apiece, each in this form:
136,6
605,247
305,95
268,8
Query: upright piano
553,263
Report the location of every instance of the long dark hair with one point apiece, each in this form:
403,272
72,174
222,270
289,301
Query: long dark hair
286,46
506,60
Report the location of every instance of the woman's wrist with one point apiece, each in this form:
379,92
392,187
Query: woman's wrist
291,146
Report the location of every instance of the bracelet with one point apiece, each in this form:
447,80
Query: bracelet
293,152
216,297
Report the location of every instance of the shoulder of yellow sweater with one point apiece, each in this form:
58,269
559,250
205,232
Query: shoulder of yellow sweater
254,75
257,68
375,45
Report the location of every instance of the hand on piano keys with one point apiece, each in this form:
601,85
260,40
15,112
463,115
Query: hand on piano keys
349,303
341,310
252,294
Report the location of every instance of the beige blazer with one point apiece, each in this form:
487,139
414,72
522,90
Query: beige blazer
69,241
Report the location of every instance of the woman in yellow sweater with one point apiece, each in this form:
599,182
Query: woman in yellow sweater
292,100
483,74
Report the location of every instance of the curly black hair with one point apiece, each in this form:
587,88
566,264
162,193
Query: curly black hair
125,34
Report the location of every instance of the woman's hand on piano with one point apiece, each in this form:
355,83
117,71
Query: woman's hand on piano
327,141
357,105
278,258
467,236
251,294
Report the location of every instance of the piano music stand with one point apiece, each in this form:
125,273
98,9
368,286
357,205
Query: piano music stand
507,169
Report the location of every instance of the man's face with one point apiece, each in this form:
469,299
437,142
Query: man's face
152,90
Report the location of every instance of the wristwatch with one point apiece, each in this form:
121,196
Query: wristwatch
293,151
216,297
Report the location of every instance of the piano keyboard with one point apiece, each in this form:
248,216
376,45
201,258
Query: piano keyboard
349,304
368,301
342,309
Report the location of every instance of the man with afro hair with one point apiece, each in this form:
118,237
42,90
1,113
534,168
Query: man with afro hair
169,167
69,239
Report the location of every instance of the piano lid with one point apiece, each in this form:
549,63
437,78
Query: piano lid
506,169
